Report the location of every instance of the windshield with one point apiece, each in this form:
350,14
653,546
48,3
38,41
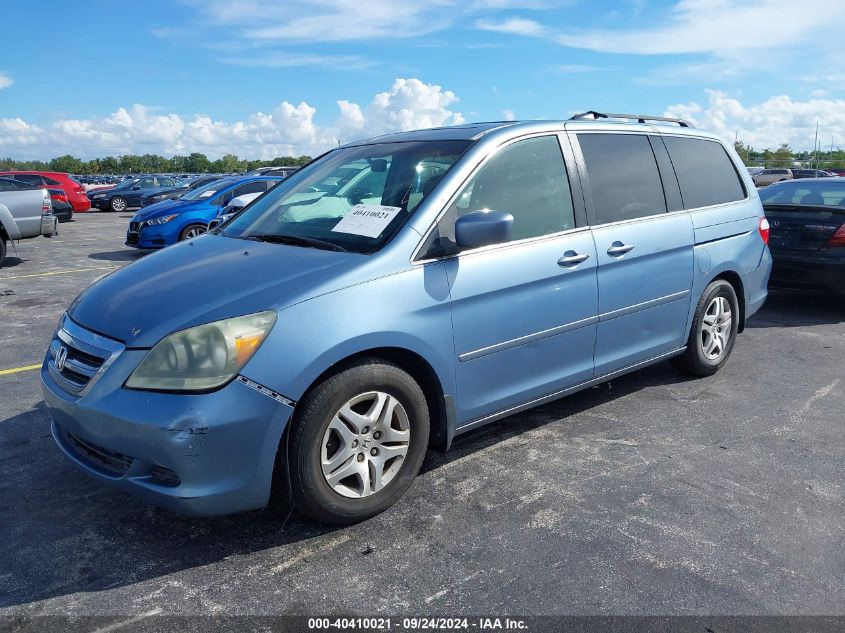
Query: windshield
825,193
207,191
354,198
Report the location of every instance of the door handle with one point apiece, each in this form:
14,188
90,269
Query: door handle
618,248
571,258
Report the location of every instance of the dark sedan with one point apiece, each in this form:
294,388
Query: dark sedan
171,193
129,192
807,233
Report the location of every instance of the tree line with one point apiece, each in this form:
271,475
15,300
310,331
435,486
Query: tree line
784,156
195,163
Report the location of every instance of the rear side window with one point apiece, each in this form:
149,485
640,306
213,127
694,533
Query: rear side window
706,174
33,179
51,182
623,176
7,185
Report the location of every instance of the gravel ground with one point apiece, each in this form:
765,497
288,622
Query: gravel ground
652,494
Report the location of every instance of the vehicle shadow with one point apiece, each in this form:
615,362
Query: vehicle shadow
11,262
795,308
118,256
67,533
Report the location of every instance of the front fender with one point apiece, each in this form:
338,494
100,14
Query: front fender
408,310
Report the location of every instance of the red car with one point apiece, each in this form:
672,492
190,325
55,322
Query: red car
54,180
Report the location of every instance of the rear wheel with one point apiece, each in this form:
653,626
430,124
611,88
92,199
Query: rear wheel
713,331
356,442
118,204
191,231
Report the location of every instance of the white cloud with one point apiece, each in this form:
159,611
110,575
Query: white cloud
514,26
777,120
5,80
288,129
720,27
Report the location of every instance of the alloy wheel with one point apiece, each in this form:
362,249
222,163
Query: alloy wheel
716,328
365,444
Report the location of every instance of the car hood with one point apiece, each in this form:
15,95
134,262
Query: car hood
158,209
199,281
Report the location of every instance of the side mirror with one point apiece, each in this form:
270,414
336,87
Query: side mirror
482,228
214,223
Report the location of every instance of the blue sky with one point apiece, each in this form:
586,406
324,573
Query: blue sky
261,77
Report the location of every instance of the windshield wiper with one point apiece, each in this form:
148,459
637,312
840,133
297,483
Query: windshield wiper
297,240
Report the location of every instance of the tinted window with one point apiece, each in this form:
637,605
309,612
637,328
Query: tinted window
7,185
706,174
250,187
145,183
33,179
623,176
50,181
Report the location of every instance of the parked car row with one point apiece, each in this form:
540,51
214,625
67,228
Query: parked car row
763,177
73,190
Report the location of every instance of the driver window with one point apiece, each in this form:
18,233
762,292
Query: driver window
526,179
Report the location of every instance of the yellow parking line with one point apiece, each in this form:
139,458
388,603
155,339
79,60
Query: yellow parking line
15,370
60,272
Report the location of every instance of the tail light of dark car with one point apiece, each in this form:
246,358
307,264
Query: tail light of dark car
58,195
837,239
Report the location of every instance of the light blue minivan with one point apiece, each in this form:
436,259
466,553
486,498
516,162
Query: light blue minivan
400,291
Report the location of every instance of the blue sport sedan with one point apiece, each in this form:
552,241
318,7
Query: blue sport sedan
171,221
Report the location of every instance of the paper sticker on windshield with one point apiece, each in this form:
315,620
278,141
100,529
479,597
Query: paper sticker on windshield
368,220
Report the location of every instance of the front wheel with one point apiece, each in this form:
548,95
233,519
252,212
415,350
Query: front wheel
118,204
356,442
191,231
713,331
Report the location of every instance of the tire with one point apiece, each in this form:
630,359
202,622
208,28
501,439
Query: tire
191,231
713,332
118,204
318,456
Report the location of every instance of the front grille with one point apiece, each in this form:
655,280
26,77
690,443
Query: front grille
77,356
78,367
112,461
132,239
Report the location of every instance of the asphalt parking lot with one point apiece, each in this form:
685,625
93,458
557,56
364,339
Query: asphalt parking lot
653,494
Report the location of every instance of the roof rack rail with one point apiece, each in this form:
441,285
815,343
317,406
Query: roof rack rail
641,118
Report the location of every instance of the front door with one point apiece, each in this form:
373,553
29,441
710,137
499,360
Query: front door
524,312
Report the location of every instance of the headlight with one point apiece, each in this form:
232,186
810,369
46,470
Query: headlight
161,220
202,357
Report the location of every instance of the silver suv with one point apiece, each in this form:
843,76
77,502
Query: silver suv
768,176
24,213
